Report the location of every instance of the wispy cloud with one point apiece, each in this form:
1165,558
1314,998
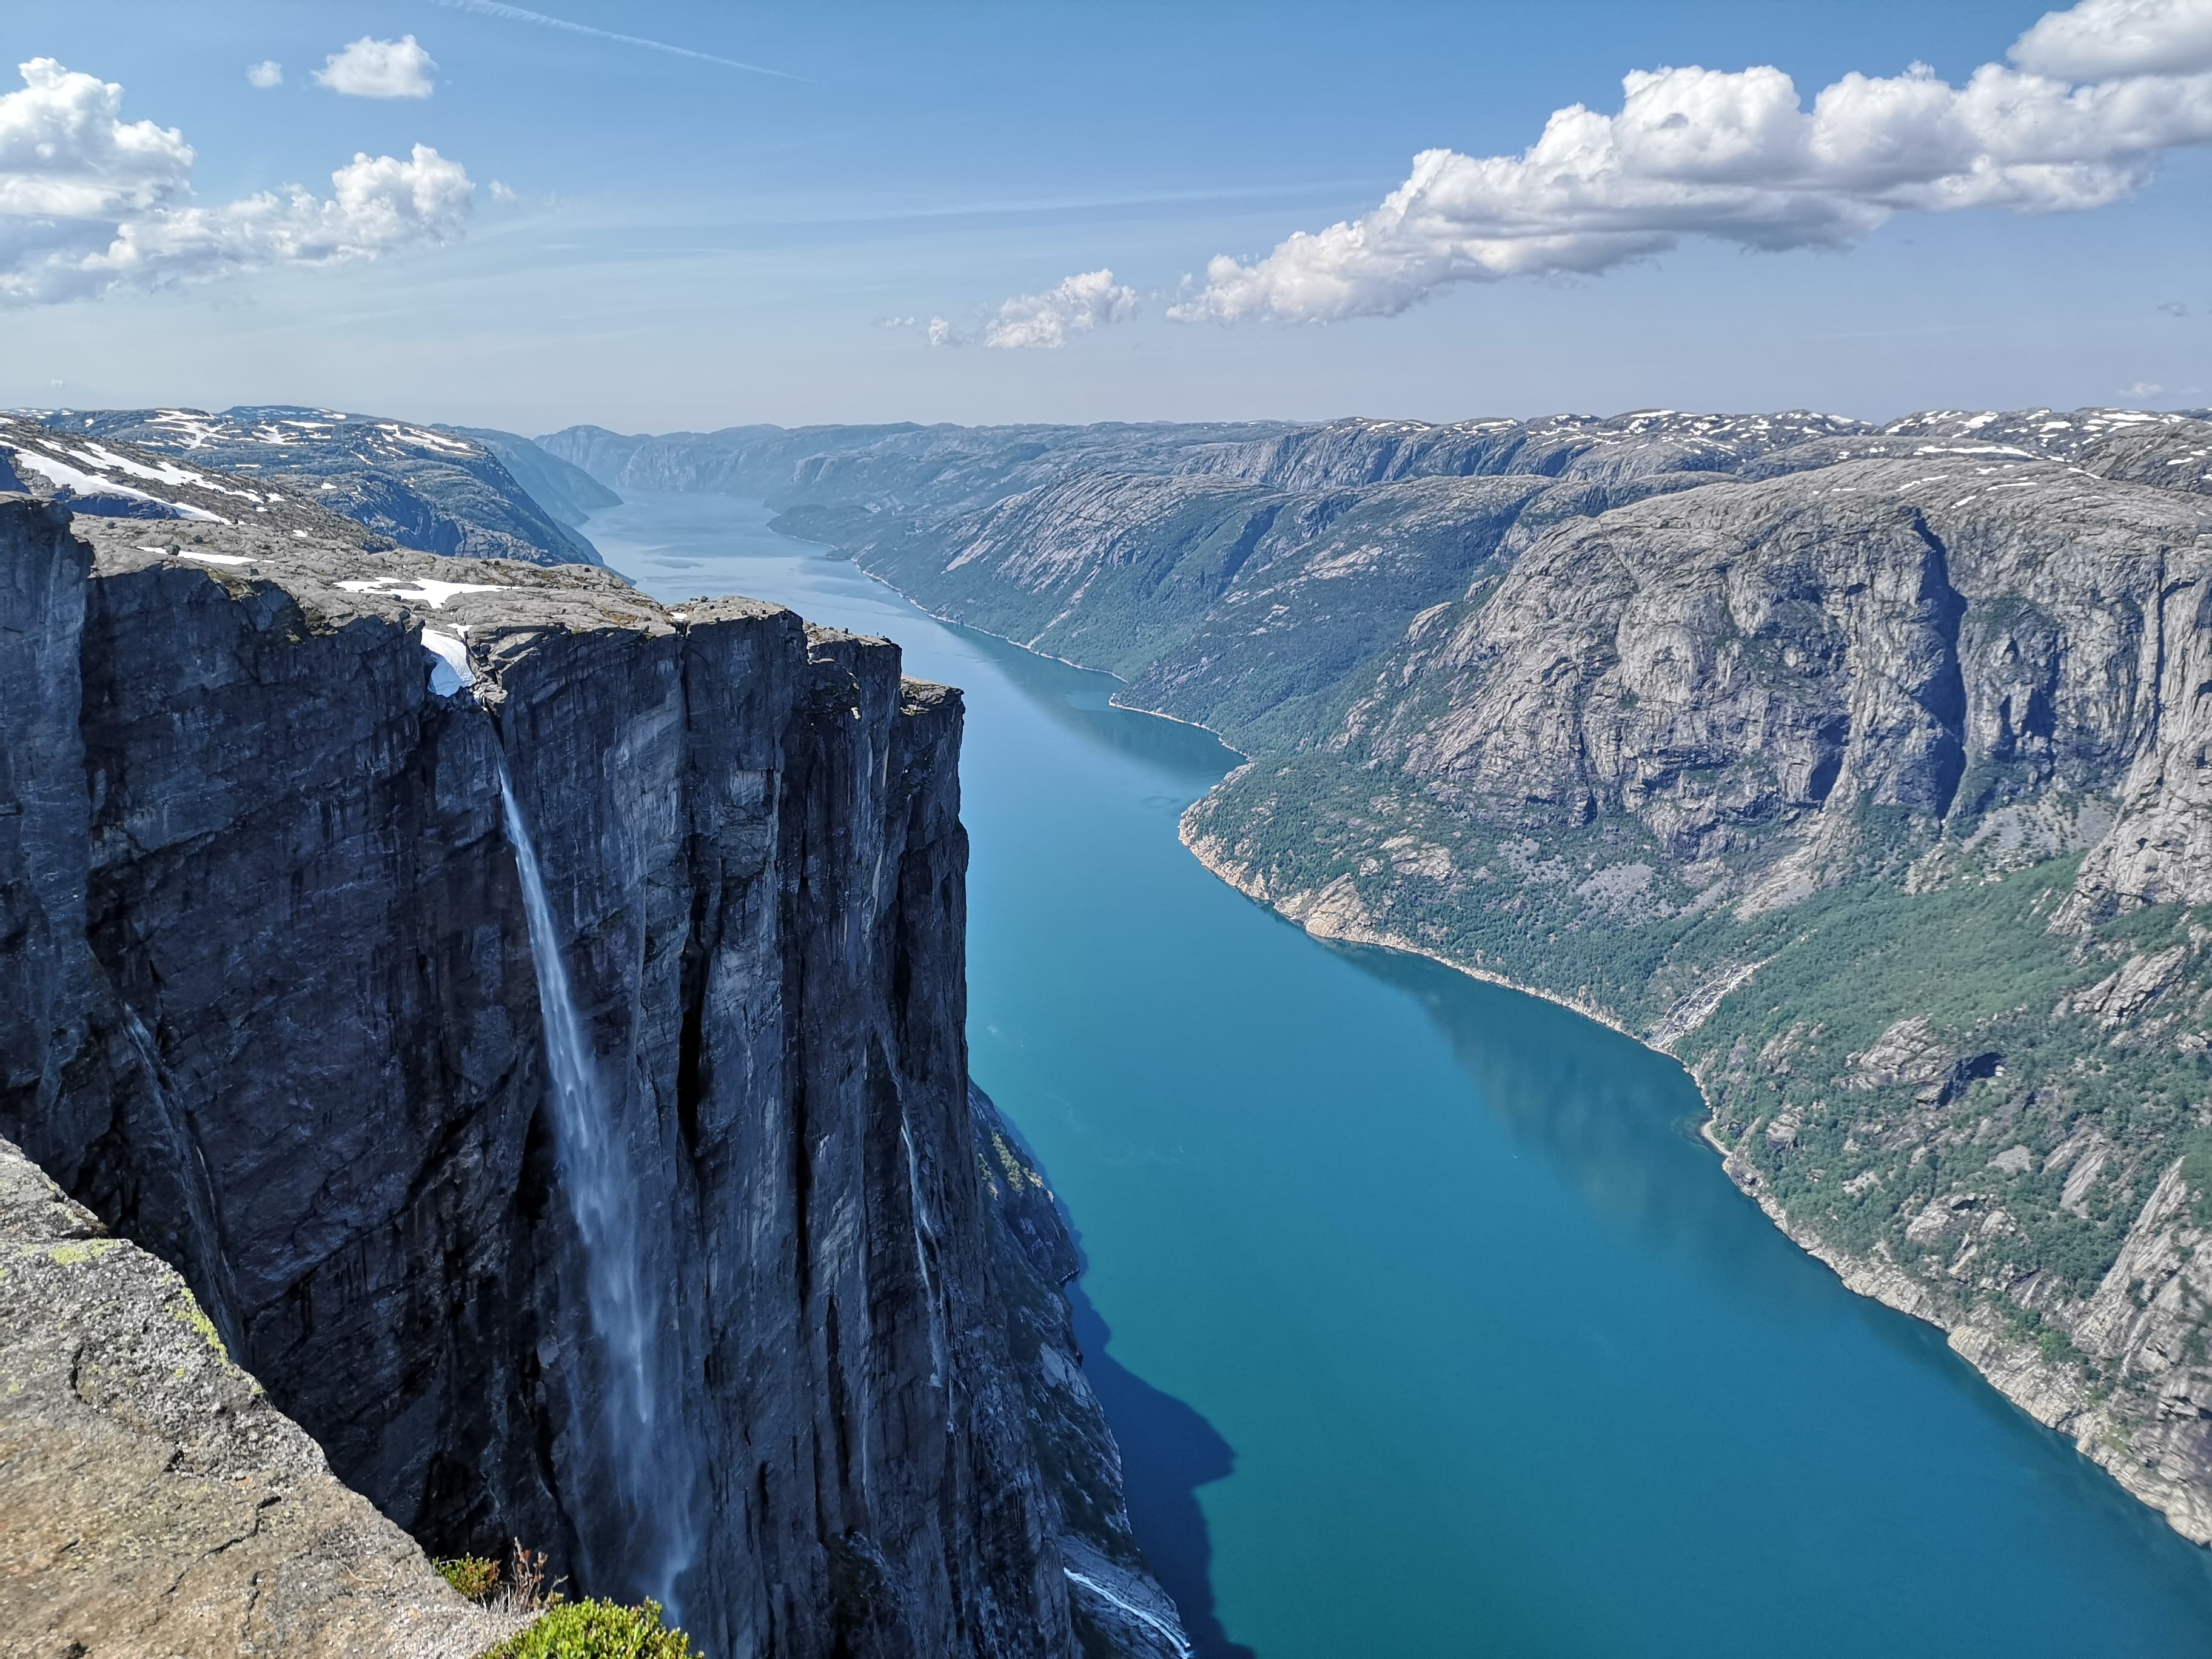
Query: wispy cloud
517,15
2091,99
266,73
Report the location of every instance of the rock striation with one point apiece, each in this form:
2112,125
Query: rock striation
274,1015
1861,766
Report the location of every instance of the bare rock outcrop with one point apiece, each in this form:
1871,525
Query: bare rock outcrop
155,1501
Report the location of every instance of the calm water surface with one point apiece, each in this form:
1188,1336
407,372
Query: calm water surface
1495,1360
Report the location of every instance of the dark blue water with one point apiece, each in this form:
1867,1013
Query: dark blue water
1435,1331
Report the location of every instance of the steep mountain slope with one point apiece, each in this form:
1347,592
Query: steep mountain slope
568,492
1862,767
1873,793
286,979
933,466
423,487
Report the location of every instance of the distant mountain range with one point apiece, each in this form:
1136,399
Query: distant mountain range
1866,768
477,494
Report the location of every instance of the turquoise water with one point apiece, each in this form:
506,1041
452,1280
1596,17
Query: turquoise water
1495,1361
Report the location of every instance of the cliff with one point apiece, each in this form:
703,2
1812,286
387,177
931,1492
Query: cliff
1860,766
327,867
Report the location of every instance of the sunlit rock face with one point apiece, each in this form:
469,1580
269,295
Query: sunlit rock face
273,1012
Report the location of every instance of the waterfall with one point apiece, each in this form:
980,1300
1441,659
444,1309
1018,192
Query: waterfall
641,1434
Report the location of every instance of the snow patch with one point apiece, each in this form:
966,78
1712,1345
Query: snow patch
449,673
91,485
428,589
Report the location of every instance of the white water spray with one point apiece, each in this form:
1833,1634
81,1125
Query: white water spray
641,1434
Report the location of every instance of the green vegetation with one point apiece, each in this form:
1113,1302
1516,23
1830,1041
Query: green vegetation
598,1630
475,1576
1953,1160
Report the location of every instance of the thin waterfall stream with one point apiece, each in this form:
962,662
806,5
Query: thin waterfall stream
642,1427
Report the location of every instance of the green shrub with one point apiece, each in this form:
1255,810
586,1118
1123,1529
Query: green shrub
475,1576
598,1630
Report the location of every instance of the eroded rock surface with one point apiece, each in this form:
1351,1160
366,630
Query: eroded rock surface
155,1501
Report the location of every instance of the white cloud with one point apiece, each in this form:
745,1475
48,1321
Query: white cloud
939,331
503,193
1074,305
1737,156
266,73
370,68
89,201
2100,40
2143,389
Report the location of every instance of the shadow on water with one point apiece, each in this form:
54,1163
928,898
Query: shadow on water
1620,1122
1168,1449
1168,1452
1617,1121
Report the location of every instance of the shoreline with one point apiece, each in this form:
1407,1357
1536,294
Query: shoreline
2051,1398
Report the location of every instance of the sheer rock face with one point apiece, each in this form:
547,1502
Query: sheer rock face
1723,664
295,1047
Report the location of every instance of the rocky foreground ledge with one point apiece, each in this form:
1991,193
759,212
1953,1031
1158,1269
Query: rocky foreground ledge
155,1501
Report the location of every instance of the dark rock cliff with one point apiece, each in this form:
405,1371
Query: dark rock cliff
279,1021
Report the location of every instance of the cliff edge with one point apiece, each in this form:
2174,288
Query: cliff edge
156,1501
326,864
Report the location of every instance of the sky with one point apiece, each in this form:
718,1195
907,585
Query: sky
658,214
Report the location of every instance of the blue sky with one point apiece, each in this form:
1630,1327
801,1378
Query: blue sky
693,244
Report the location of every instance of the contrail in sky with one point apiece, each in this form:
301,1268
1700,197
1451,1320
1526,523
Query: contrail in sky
517,15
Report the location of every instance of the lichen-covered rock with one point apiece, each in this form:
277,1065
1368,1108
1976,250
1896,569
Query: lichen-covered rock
152,1500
